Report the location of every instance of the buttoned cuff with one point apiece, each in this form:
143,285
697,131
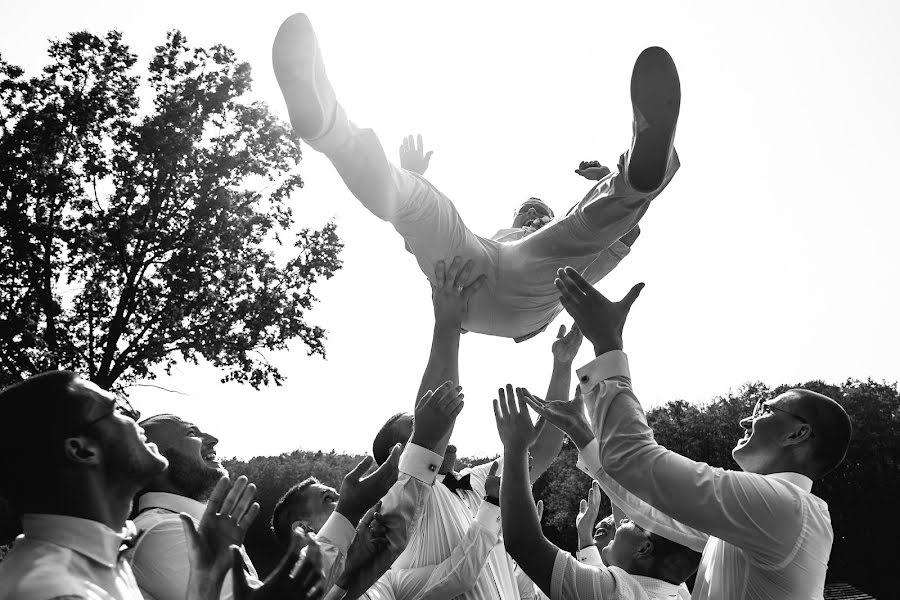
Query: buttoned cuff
338,530
606,366
489,517
420,463
590,555
589,459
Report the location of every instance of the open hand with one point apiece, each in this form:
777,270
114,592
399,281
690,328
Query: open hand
413,157
567,415
514,425
601,320
566,346
587,516
435,414
358,494
592,170
452,289
229,513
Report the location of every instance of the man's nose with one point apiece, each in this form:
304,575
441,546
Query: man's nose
213,440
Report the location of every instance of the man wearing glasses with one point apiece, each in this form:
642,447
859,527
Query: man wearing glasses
770,536
519,299
74,458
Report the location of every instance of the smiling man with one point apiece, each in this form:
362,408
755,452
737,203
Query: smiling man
160,560
519,299
74,460
308,504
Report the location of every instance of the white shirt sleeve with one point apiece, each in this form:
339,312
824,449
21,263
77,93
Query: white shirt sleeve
334,539
162,568
637,510
755,513
590,556
572,580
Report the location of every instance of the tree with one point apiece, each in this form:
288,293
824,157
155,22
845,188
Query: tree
131,239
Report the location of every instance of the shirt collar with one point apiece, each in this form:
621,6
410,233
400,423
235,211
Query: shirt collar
85,536
801,481
657,588
172,502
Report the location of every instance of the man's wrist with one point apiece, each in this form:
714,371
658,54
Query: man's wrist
581,436
582,544
424,440
349,512
607,346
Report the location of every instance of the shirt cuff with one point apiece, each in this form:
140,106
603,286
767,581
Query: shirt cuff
338,530
606,366
489,517
590,555
420,463
589,459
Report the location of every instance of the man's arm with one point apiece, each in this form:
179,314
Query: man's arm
746,509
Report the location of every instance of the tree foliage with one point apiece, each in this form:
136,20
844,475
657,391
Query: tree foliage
135,238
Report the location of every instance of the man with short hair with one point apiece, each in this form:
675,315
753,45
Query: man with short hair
79,459
160,558
642,565
769,535
520,299
307,505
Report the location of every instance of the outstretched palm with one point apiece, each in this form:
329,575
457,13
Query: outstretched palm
567,415
413,157
566,346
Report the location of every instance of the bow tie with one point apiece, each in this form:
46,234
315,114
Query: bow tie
453,483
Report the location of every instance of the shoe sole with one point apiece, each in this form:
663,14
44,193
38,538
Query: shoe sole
655,95
295,54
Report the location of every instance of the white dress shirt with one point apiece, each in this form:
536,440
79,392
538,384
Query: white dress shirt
770,537
66,556
574,580
160,557
445,521
451,577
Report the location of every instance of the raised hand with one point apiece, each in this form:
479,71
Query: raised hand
566,415
435,414
370,540
601,320
452,289
514,425
358,494
295,577
413,157
592,170
587,516
492,483
566,346
229,513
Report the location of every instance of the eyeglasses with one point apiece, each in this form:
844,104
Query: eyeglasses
762,408
121,405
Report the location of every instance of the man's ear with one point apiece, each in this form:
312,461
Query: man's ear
801,433
645,550
82,450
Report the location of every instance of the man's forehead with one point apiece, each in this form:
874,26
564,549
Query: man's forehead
165,424
783,399
91,390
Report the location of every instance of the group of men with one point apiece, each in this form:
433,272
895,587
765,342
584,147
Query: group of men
416,528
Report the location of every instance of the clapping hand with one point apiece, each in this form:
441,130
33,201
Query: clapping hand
413,157
435,414
295,577
566,415
592,170
601,320
587,516
358,494
229,513
451,291
566,346
514,425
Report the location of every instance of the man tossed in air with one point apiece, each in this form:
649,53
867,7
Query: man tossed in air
518,299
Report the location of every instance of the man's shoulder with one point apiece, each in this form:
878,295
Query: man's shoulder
39,571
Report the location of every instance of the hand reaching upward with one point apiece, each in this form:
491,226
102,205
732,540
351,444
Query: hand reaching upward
601,320
452,289
593,170
413,157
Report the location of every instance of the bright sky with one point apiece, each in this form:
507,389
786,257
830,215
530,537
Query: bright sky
772,255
